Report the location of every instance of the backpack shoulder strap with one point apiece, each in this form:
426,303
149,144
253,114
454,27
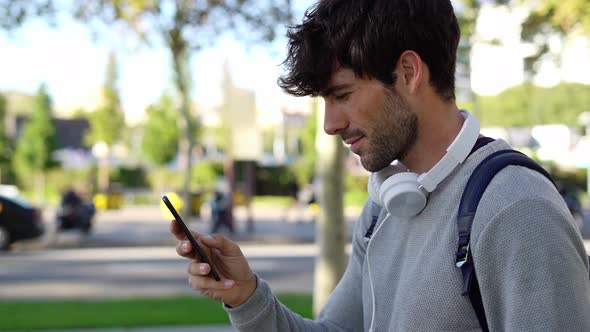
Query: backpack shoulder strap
375,212
476,185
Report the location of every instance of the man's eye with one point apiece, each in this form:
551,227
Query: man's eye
342,96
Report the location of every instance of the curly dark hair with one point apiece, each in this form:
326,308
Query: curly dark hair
368,36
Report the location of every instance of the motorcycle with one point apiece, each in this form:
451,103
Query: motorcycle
78,216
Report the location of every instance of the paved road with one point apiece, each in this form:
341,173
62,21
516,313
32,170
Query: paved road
138,271
131,253
146,226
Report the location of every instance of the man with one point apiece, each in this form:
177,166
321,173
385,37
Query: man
385,69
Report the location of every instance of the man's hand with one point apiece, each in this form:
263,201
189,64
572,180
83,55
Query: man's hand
238,282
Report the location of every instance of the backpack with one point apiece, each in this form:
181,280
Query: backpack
476,185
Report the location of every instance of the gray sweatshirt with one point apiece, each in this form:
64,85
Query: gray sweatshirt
529,257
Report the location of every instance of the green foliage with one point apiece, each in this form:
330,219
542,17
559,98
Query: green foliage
221,136
527,105
355,193
59,179
561,15
6,146
304,167
38,141
569,177
161,179
108,121
204,174
129,177
272,180
160,138
550,18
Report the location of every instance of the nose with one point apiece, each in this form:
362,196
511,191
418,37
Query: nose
334,119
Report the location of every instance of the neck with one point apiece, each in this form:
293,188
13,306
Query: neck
438,127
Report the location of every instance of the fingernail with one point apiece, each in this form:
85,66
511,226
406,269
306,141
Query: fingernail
184,246
202,268
228,283
208,238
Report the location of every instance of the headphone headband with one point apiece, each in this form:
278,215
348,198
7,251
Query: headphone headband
457,152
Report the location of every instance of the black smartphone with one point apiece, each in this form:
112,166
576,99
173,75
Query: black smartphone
202,257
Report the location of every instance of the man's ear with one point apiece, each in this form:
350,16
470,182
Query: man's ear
410,69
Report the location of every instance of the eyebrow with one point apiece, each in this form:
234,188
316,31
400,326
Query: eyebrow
334,88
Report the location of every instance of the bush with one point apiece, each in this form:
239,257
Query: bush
204,174
574,178
355,190
273,181
58,179
129,177
203,177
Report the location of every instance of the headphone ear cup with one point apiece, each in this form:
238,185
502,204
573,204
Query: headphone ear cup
376,180
401,195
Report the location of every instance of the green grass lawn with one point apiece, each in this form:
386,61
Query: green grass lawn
38,315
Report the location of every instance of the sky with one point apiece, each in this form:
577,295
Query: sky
73,64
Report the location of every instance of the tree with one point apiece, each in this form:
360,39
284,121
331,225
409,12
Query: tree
160,140
553,18
525,105
107,122
159,144
330,230
33,155
14,12
6,146
467,12
186,26
305,166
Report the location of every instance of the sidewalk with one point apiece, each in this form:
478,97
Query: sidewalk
135,226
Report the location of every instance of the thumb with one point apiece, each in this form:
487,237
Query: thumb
226,246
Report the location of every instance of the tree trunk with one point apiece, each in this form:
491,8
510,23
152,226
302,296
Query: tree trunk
185,146
40,187
330,230
103,174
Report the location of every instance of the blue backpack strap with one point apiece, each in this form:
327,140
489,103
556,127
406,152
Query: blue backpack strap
476,185
375,212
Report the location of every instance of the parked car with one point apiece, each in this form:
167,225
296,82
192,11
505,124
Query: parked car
18,221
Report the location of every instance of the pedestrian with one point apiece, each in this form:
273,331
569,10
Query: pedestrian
385,69
221,211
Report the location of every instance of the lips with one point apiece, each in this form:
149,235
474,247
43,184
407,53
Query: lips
352,140
355,143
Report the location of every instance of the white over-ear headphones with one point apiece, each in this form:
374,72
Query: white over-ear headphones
403,193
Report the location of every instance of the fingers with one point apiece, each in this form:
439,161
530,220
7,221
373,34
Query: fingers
178,232
224,245
185,249
199,279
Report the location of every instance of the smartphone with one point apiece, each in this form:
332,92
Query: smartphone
202,257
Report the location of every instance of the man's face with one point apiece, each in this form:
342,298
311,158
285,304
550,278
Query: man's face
376,121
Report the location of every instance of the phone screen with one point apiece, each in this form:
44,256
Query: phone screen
202,257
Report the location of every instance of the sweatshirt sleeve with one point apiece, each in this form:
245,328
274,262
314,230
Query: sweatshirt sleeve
532,269
343,311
